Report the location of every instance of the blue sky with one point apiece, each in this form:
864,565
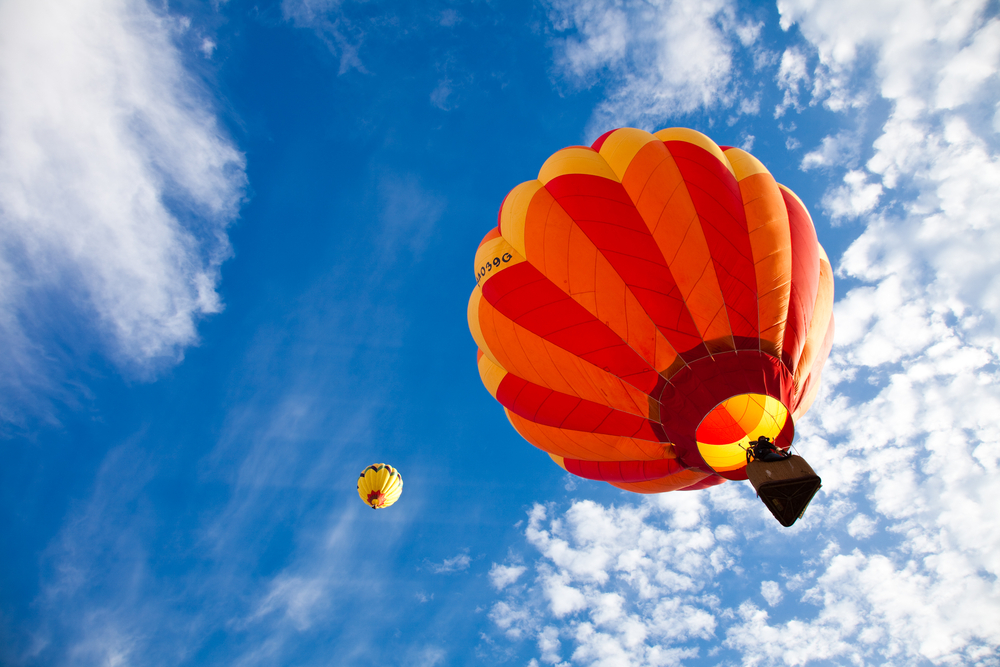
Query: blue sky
236,251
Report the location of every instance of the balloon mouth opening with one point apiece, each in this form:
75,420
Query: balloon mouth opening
724,433
376,499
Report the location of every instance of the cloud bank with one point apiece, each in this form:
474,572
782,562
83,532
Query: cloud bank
116,188
897,560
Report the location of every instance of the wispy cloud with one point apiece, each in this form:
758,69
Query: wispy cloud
502,576
857,196
448,565
116,188
409,214
835,150
332,25
792,73
655,60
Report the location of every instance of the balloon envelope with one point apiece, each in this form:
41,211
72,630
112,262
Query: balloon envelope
650,304
380,485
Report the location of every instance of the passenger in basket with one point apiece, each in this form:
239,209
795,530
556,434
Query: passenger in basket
762,449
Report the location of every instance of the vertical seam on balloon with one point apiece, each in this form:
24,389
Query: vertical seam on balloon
492,313
556,366
666,266
729,275
579,401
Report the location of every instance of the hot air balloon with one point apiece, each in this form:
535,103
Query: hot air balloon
648,306
380,485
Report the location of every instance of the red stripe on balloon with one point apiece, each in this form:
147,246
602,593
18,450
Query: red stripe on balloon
719,428
805,281
552,408
717,199
711,480
523,294
817,367
601,139
622,471
602,209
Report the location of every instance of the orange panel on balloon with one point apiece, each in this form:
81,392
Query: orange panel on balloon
587,446
675,482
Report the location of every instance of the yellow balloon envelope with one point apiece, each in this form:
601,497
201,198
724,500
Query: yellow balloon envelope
380,485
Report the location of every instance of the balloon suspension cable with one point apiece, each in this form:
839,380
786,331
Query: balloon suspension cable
748,451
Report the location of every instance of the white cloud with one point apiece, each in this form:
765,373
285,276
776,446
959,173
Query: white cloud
296,597
502,576
861,526
513,621
441,93
331,24
771,590
208,47
922,331
116,186
549,644
854,198
563,598
970,67
833,151
624,590
750,106
645,51
792,72
749,32
426,656
455,564
408,213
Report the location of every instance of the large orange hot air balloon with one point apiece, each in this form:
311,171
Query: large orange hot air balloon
650,304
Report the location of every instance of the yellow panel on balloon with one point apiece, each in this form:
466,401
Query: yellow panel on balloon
728,429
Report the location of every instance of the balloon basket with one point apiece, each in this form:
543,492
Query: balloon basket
785,486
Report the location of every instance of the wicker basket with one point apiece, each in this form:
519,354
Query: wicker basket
785,486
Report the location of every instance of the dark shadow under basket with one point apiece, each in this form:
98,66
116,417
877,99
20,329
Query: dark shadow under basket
785,486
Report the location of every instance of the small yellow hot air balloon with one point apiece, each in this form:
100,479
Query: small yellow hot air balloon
380,485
